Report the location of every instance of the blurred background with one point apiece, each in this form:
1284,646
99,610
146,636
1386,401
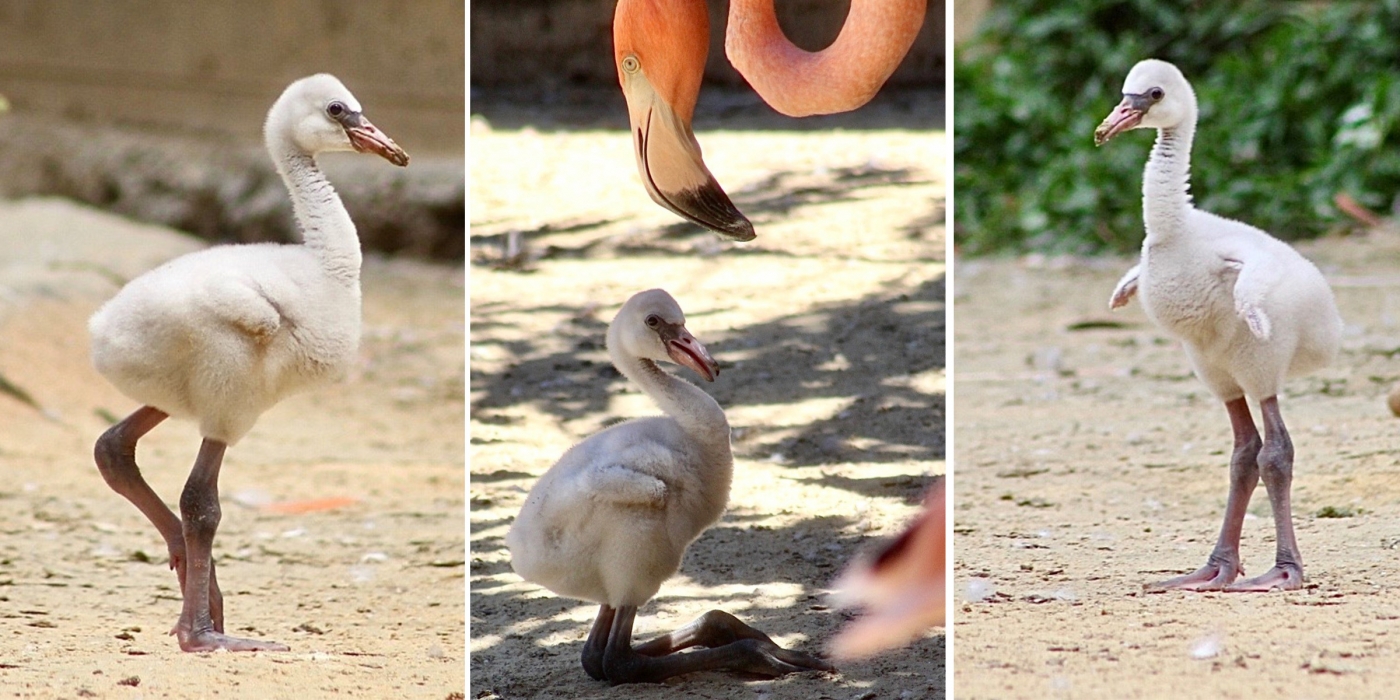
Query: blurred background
153,109
1299,117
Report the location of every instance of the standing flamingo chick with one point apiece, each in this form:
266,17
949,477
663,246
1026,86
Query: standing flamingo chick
660,47
610,521
223,334
1249,310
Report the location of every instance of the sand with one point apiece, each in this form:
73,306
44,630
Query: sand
1090,461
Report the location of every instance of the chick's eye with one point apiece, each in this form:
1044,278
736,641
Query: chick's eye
653,321
1156,93
335,109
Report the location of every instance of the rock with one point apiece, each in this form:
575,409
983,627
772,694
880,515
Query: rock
230,193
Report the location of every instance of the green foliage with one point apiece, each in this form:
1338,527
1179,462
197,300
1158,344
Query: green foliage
1336,512
1298,102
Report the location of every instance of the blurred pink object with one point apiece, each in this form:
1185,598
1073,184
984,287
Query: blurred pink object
901,588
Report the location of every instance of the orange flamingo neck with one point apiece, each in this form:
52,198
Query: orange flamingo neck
876,36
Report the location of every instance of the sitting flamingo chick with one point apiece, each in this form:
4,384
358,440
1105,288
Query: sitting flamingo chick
1249,310
610,521
222,335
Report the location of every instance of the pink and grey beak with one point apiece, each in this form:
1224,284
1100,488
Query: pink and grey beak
685,350
1125,116
367,138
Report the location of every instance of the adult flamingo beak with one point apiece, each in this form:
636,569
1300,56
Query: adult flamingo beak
672,169
367,138
660,53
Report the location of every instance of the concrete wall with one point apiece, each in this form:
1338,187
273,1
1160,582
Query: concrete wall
217,65
556,42
153,109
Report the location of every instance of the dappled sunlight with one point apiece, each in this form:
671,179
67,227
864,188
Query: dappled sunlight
777,593
932,382
830,332
796,414
498,531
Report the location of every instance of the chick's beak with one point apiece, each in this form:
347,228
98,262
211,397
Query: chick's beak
367,138
685,350
1125,116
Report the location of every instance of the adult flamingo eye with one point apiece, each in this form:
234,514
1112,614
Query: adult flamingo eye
631,64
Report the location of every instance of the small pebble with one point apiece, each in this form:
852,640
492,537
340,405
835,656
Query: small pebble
979,589
1208,647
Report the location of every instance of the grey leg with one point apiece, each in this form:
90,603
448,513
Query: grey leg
1223,566
115,454
199,504
623,664
1276,468
598,642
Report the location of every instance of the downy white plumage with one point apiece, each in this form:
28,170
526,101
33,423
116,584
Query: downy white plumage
1249,310
223,334
611,519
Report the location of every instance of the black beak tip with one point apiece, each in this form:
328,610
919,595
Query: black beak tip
739,229
710,207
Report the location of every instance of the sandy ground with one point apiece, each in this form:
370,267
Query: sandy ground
1090,461
369,596
830,332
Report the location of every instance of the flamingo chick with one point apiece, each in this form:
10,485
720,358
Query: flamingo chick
223,334
611,519
1248,309
660,47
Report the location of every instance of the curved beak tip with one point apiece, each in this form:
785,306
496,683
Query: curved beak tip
368,139
688,352
1120,120
740,230
710,207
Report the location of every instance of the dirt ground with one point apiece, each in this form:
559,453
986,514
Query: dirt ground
369,596
830,331
1090,461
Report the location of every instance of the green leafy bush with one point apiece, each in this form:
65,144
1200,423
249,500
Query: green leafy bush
1298,102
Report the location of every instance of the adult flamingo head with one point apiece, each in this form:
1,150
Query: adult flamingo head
660,48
